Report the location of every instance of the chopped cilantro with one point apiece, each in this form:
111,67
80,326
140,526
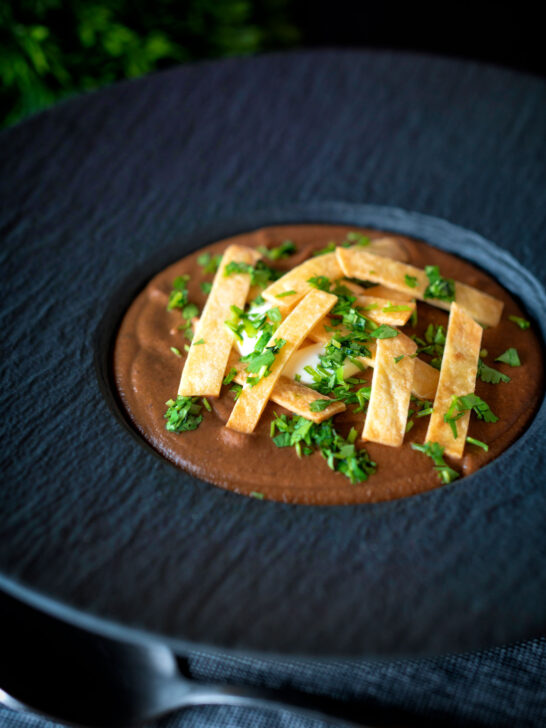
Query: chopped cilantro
190,311
197,343
230,376
436,452
460,405
328,249
206,404
319,405
206,287
183,414
392,308
478,443
209,263
489,375
398,358
443,289
260,274
274,315
510,357
354,238
323,283
259,361
236,389
521,322
285,293
178,297
256,494
284,250
384,332
410,281
341,454
175,351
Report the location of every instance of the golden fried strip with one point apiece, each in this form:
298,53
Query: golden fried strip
392,380
205,364
322,265
359,263
374,308
457,378
293,396
425,377
295,327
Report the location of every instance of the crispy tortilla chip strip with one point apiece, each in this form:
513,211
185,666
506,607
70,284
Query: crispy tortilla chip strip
295,327
293,396
359,263
378,309
457,378
322,265
206,363
391,390
425,377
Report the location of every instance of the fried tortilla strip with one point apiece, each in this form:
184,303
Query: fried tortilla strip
293,396
390,293
206,363
297,279
391,390
381,310
359,263
457,378
295,327
425,377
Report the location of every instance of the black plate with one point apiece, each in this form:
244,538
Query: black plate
164,552
100,193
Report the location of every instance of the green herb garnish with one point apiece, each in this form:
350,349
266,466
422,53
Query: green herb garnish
478,443
354,238
285,293
436,452
284,250
230,376
259,361
175,351
489,375
341,454
256,494
460,405
183,414
197,343
384,332
443,289
260,274
395,308
510,357
209,263
319,405
178,297
398,358
327,249
410,281
206,287
521,322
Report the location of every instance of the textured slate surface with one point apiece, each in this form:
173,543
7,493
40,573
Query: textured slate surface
108,185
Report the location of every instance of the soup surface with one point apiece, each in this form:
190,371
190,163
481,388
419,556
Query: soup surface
147,373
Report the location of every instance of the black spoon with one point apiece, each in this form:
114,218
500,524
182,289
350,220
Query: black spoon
76,677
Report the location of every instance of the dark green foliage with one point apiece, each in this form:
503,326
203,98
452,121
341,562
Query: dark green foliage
50,49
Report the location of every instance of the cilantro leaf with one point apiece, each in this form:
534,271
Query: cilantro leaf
410,281
384,332
460,405
438,287
521,322
178,297
436,452
209,263
183,414
510,357
489,375
284,250
319,405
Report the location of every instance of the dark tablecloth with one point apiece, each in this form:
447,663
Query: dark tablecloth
452,139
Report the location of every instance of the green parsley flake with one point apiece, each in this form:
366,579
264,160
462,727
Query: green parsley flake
259,361
256,494
521,322
178,297
206,287
206,404
355,238
230,376
341,454
197,343
285,293
443,289
175,351
436,452
323,251
209,263
489,375
319,405
384,332
260,274
284,250
183,414
460,405
478,443
398,358
392,308
510,357
410,281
